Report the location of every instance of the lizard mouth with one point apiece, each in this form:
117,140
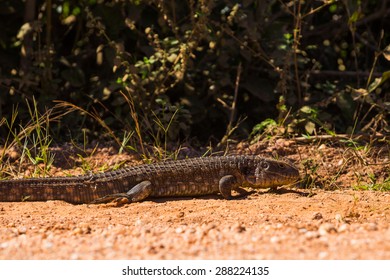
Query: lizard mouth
265,180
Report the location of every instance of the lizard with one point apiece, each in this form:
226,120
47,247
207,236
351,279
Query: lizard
186,177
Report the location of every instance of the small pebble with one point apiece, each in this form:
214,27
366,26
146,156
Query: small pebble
343,227
239,228
179,230
274,239
317,216
323,255
311,235
326,228
22,230
338,218
372,227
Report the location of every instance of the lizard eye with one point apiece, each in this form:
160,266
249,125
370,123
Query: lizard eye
264,165
281,165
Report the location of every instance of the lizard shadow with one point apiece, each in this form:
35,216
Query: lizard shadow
185,198
285,191
279,191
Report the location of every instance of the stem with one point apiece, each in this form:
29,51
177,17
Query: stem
297,28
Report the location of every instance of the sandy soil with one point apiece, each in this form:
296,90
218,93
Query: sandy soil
328,221
327,225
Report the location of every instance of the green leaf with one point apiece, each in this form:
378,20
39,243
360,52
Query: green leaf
386,52
258,128
310,127
76,11
308,110
355,17
378,81
333,8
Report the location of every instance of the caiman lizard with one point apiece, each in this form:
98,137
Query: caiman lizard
187,177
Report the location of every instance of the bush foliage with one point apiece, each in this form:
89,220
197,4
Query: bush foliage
168,70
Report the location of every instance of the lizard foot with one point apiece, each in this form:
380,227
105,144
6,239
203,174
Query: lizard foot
118,199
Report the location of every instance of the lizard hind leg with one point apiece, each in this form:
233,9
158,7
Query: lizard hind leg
140,191
137,193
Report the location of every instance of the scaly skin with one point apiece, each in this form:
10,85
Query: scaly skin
188,177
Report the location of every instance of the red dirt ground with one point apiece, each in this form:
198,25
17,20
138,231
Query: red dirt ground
328,220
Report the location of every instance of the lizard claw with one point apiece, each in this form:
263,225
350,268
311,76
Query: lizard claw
121,201
118,198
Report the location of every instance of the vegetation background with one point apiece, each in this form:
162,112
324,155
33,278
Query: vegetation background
182,78
161,72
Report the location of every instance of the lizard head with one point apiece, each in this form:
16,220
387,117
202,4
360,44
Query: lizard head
267,173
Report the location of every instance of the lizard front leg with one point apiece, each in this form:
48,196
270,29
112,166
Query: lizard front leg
229,183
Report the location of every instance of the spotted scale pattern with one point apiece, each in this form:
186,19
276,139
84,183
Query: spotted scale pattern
188,177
